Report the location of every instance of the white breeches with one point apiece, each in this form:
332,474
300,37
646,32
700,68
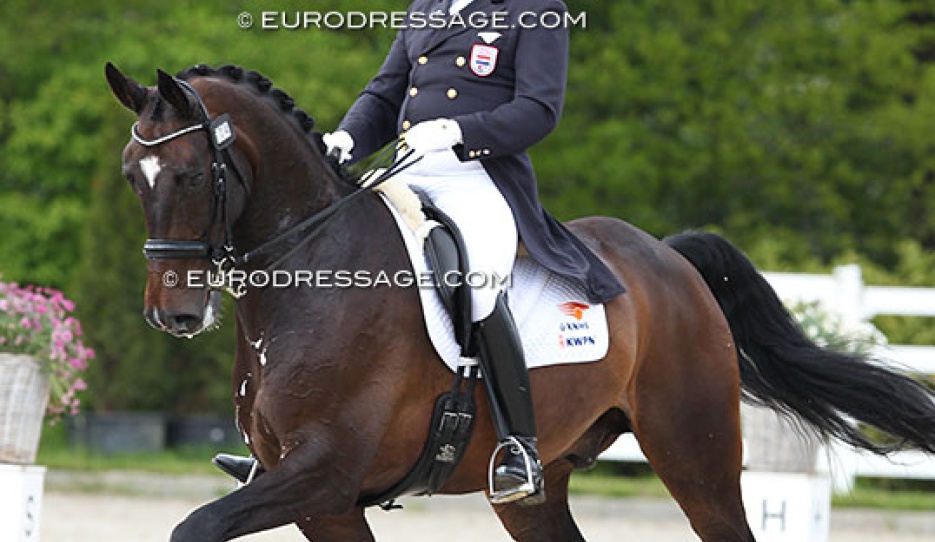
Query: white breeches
465,192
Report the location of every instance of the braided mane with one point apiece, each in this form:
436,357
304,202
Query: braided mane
263,86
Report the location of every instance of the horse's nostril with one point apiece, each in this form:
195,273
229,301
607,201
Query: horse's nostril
182,323
153,319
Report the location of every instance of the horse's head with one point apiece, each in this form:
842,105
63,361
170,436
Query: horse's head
190,182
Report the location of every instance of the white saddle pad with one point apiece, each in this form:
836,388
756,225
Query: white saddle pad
556,323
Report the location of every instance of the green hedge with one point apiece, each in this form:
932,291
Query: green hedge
801,130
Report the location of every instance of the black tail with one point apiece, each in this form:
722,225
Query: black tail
782,369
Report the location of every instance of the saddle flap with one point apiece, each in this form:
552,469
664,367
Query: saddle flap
444,248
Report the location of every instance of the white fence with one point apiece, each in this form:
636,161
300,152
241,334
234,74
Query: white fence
845,292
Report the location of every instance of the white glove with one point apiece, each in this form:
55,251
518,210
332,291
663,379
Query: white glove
433,135
339,141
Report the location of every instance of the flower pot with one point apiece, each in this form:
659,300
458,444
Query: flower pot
24,394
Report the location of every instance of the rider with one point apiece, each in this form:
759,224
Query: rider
469,99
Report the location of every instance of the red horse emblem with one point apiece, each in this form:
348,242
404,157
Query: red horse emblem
574,309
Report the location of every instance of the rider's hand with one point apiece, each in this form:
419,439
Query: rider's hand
433,135
340,143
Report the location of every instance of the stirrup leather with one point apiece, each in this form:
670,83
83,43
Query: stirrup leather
522,491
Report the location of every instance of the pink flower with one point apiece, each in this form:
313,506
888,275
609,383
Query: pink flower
37,320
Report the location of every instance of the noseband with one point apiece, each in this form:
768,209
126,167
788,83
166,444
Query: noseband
221,135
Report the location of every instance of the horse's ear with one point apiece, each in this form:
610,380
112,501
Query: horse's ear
130,93
173,93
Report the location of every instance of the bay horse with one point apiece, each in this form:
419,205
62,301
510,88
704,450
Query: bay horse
334,388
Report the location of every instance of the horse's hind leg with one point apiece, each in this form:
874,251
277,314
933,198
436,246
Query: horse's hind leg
550,520
686,417
350,527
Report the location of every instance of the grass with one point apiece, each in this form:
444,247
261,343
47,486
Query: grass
56,452
618,480
184,461
638,480
622,480
880,494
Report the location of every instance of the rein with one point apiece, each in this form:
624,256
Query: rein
224,256
312,223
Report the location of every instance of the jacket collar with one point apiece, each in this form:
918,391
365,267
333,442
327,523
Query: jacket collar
437,36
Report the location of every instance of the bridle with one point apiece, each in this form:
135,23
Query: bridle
224,256
221,135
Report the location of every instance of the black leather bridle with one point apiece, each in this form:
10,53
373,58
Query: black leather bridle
221,135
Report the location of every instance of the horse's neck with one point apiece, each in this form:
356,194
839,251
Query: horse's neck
358,241
289,188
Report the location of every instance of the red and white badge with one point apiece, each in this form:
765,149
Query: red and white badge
484,59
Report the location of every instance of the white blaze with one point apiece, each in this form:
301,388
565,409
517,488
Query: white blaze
151,168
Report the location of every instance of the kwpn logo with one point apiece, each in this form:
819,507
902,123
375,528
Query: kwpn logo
574,309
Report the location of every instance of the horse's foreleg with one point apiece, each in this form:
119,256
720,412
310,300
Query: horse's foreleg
350,527
316,478
550,520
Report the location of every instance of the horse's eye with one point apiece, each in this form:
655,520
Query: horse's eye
197,180
130,178
191,180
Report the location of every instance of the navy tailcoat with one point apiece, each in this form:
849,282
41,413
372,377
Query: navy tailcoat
501,76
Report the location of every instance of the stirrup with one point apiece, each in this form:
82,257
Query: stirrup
526,489
254,472
237,467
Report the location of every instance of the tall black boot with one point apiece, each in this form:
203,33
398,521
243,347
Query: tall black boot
518,476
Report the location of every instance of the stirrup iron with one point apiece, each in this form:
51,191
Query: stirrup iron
254,472
526,489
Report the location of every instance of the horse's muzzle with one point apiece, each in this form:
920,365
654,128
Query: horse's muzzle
177,323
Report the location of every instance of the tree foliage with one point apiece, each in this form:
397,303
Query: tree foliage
799,129
802,121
